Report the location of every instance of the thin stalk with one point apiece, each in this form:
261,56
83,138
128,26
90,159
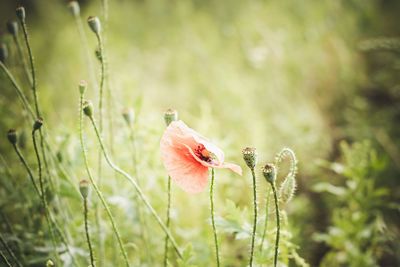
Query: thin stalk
212,217
5,259
137,188
266,219
43,195
23,60
96,189
28,169
168,221
85,212
9,250
278,225
255,216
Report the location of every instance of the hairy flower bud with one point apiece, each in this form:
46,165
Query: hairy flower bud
84,188
20,11
12,136
3,52
37,124
170,115
74,8
269,172
94,24
12,27
82,87
88,108
250,156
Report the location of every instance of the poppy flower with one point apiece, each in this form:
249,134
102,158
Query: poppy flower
187,156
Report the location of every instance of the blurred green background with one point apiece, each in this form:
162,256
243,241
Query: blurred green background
320,77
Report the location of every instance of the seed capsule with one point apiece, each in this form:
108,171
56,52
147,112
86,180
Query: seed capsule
84,188
74,8
170,115
12,27
94,24
12,136
37,124
3,52
20,11
88,109
250,156
82,87
269,172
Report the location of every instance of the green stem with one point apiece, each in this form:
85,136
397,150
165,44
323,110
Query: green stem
9,250
43,195
28,169
266,219
278,225
97,190
85,212
168,221
212,217
5,259
255,216
137,188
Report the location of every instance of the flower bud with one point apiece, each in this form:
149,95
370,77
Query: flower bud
170,115
269,172
3,52
94,24
84,188
74,8
82,87
12,136
37,124
88,108
20,11
250,156
287,189
49,263
12,27
128,115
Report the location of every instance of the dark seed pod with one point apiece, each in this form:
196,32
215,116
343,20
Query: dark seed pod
269,172
20,11
12,27
88,109
84,188
250,156
12,136
37,124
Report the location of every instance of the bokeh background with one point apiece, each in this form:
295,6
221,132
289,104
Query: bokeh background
320,77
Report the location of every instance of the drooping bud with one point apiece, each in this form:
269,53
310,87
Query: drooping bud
12,27
20,11
128,115
84,188
287,189
37,124
94,24
12,136
82,87
74,8
88,108
3,52
250,156
170,115
269,172
49,263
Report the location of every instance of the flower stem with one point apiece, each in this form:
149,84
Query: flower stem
278,226
9,250
266,219
137,188
5,259
85,213
212,217
255,216
167,222
21,55
96,189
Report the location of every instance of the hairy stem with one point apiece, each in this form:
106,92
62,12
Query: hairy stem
212,217
137,188
278,224
255,216
85,214
167,221
96,189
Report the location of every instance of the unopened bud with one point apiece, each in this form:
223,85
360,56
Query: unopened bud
88,108
20,11
269,172
12,136
170,115
128,115
82,87
250,156
94,24
287,189
3,52
84,188
37,124
12,27
49,263
74,8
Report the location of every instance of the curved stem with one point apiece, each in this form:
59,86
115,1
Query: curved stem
28,169
266,219
255,216
137,188
85,213
278,226
168,221
96,189
212,217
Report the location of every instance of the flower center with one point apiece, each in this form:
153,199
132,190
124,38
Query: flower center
203,153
